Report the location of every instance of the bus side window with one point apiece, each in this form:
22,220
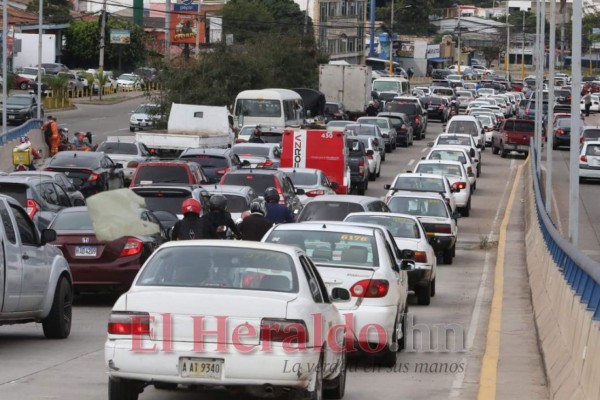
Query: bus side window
288,106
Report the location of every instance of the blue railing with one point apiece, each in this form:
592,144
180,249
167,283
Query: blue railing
18,131
581,272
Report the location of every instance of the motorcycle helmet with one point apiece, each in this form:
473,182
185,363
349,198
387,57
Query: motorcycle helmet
258,206
218,202
271,195
191,206
24,139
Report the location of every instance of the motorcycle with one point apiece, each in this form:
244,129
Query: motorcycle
23,157
66,144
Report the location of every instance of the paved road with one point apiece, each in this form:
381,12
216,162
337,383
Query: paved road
35,368
589,192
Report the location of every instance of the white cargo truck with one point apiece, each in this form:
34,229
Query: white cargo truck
346,84
191,126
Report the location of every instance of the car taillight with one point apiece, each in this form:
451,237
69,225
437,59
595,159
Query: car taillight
49,169
315,193
560,132
583,158
283,330
129,324
417,119
361,167
223,171
132,247
93,176
267,163
420,256
370,288
441,107
241,141
459,185
32,208
443,229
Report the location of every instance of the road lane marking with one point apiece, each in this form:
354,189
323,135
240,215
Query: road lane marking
425,149
411,162
459,379
489,363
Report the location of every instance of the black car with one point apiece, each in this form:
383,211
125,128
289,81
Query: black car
440,73
437,107
260,179
61,180
90,172
414,113
562,133
403,127
39,195
563,96
165,200
214,162
20,108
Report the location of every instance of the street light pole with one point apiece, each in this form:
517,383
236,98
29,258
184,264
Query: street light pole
523,50
507,54
575,125
392,41
552,52
39,71
4,60
102,36
541,89
372,28
459,45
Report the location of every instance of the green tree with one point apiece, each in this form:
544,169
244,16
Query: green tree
83,38
246,19
55,11
490,53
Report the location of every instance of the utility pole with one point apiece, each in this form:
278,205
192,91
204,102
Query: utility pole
198,33
392,41
459,45
552,52
102,35
4,60
306,18
507,55
539,81
372,29
575,125
39,71
540,98
523,49
167,31
563,11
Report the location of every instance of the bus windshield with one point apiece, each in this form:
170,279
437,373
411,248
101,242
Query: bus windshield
258,108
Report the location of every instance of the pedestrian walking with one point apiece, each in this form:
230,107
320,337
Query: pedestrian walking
587,100
410,73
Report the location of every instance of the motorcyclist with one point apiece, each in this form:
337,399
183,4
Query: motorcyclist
255,225
192,226
25,146
372,109
81,142
218,219
276,213
256,135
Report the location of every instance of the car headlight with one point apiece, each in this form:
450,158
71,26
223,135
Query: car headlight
132,120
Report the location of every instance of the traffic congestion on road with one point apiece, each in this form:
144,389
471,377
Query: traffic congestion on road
368,271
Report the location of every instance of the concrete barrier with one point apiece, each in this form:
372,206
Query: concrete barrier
566,301
11,138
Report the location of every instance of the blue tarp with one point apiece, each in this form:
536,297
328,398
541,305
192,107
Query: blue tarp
437,59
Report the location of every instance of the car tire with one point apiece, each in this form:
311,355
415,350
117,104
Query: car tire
387,356
316,394
372,176
424,295
383,157
360,190
478,171
388,148
336,388
447,256
503,153
466,211
23,86
405,143
123,389
57,325
433,288
165,386
581,180
131,129
379,171
122,185
494,149
402,341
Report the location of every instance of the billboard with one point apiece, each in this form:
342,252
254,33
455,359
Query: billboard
407,50
120,36
184,27
433,51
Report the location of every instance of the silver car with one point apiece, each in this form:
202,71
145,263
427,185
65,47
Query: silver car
313,181
387,130
127,151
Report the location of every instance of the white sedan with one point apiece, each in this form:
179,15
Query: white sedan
456,153
408,234
359,259
411,182
457,175
246,315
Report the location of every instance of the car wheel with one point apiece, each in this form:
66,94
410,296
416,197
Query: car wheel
383,157
372,176
379,171
405,143
123,389
465,211
131,129
165,386
503,153
433,288
424,295
402,341
122,182
447,256
336,388
23,86
479,170
388,148
57,325
494,149
317,393
360,190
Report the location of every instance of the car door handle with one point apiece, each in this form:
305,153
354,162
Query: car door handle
25,257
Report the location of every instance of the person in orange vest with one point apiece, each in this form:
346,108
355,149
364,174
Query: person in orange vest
51,135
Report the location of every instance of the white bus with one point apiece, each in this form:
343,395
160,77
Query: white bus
392,86
269,108
379,64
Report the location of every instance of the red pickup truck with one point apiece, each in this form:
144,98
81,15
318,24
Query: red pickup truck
513,135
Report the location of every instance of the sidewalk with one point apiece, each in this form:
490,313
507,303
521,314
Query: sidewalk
521,372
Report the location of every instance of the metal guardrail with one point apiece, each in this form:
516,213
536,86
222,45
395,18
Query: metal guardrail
18,131
581,272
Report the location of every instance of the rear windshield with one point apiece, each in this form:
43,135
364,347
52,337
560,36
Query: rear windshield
258,182
236,204
164,201
161,174
434,100
466,127
418,206
208,161
439,169
331,108
221,268
519,126
73,221
328,211
399,226
591,133
381,122
419,183
118,148
364,130
16,191
303,178
406,108
593,150
73,161
563,122
450,155
331,247
261,151
454,140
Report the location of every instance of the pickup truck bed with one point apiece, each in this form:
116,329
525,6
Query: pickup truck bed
513,135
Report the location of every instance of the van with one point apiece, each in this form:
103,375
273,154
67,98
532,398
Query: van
319,149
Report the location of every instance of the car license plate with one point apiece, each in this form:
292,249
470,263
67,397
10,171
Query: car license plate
523,148
206,368
11,117
85,251
142,124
